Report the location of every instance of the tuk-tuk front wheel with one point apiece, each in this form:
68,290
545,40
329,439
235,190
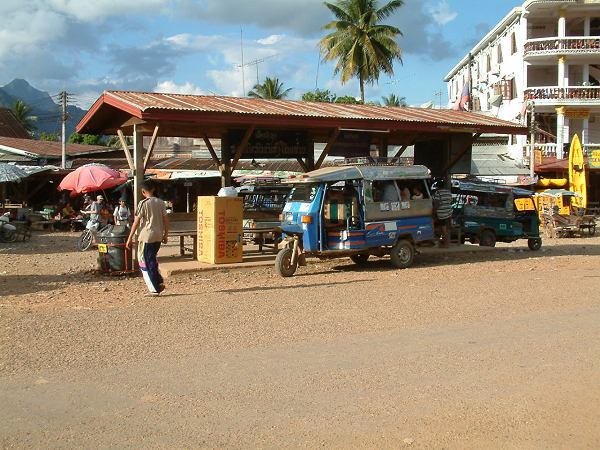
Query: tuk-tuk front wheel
534,243
283,262
360,258
402,254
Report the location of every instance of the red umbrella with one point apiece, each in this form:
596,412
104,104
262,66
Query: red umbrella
90,178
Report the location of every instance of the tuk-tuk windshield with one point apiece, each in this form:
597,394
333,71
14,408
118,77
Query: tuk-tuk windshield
303,193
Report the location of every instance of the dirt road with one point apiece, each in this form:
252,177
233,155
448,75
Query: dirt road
471,350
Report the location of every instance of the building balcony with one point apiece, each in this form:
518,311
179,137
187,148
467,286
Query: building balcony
550,150
571,95
554,46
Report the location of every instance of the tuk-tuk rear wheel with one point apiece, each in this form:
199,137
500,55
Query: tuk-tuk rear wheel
283,262
487,238
402,254
534,244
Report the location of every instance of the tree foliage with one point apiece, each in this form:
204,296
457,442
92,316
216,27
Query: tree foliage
362,46
271,88
318,95
87,139
349,100
22,112
394,100
52,137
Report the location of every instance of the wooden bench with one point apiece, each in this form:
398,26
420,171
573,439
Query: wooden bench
261,240
184,225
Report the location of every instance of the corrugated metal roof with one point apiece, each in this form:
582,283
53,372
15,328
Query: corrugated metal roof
149,101
48,148
10,126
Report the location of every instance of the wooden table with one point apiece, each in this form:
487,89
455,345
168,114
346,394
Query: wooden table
261,241
182,234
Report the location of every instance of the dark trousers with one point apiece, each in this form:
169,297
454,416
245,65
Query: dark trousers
149,265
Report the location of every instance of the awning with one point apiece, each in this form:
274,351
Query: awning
495,160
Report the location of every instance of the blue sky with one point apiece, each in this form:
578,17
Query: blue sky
193,46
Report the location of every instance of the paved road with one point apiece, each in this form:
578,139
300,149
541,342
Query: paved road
501,353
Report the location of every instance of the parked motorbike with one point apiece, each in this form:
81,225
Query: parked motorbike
8,232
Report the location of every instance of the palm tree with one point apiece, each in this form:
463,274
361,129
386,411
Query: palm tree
271,88
393,100
362,46
22,113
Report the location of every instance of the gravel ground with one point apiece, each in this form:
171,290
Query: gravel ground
495,349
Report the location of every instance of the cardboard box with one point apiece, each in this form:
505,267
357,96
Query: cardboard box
220,229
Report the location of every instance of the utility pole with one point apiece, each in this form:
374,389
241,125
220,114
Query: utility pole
532,139
63,119
438,94
470,83
242,51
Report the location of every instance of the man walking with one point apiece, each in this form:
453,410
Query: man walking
152,220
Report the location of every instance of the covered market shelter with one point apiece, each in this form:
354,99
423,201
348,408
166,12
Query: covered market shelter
275,129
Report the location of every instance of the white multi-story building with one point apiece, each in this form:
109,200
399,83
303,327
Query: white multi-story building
546,52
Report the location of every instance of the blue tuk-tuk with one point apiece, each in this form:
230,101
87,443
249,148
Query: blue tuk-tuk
356,211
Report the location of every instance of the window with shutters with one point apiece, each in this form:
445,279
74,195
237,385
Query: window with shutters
499,51
488,63
513,43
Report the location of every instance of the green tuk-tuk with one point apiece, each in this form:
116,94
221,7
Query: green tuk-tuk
486,213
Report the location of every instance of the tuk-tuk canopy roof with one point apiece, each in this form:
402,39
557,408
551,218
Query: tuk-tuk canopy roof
559,193
358,172
489,187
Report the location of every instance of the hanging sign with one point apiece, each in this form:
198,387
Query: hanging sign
269,144
351,144
594,159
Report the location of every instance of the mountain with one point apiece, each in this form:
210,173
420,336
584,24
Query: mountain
42,105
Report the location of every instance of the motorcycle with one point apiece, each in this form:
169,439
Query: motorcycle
8,232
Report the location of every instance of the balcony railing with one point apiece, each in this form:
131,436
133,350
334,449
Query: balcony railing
568,45
550,151
553,93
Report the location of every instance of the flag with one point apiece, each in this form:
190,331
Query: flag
522,114
463,99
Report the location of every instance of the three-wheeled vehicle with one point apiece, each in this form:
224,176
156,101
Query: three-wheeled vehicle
560,214
487,213
356,211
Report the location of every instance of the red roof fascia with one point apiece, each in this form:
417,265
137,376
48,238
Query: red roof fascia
105,98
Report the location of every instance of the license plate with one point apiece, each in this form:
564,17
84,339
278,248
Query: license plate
102,248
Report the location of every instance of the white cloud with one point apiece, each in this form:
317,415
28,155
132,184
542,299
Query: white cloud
441,12
173,88
92,10
270,40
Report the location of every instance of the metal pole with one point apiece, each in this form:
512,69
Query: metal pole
63,164
187,197
532,140
242,50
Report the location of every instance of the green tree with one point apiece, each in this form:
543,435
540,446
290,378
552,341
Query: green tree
88,139
22,113
349,100
394,100
271,88
319,95
361,45
52,137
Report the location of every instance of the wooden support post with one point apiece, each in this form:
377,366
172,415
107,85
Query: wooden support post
138,163
126,149
399,153
242,147
383,146
457,158
213,154
332,137
150,147
303,165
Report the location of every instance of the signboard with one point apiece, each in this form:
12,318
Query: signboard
537,154
351,144
577,113
268,144
594,159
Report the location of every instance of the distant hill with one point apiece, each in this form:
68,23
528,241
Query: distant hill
42,105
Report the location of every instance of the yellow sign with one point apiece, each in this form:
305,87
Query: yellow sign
577,113
594,160
524,204
538,155
102,248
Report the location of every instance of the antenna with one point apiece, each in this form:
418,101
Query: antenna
255,62
242,49
318,67
438,94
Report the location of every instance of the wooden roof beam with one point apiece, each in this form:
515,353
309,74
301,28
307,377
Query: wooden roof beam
125,148
242,147
332,138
